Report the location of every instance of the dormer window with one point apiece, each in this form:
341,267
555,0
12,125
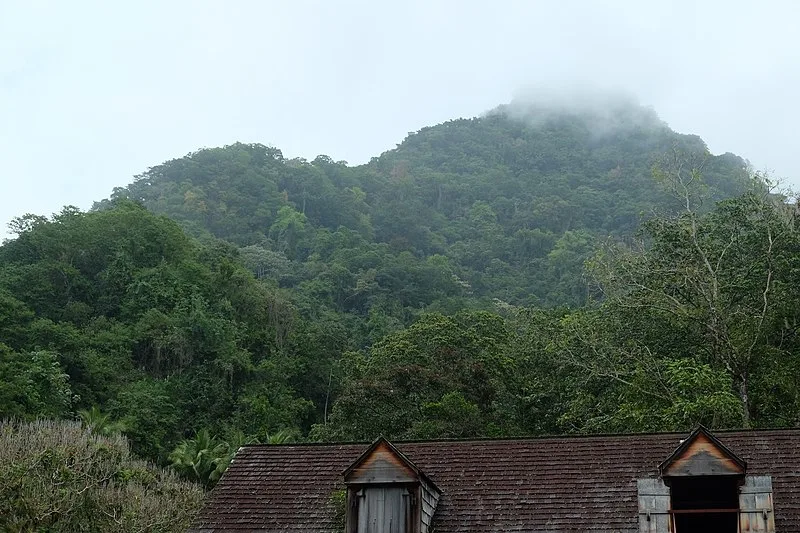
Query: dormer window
387,493
704,479
704,488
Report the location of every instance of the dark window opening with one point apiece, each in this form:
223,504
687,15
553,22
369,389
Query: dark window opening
706,504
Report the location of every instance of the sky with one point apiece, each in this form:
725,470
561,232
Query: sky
93,93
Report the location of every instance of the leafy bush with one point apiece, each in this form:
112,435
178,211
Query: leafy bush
57,476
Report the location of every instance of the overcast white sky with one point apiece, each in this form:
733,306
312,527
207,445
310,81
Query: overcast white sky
92,93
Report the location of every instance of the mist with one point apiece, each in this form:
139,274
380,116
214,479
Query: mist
94,93
603,111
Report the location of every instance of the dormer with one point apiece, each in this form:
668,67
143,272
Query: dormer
387,493
703,486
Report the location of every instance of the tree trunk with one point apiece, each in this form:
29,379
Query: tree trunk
745,399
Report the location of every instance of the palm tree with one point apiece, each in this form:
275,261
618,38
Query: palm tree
282,436
198,458
205,458
235,440
100,423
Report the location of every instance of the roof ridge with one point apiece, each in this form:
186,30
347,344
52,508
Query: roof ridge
564,436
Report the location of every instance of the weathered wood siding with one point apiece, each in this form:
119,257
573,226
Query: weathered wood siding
429,497
384,510
382,466
756,514
703,458
654,503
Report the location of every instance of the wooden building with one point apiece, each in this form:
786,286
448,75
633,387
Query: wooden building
728,482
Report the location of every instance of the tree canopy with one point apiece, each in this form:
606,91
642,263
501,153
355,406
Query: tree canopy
520,273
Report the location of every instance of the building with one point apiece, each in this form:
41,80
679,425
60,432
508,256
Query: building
727,482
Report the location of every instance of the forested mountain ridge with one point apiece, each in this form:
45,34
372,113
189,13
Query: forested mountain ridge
529,271
508,203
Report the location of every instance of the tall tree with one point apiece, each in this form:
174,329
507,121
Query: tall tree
722,281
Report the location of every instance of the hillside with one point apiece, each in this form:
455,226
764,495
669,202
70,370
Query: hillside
522,272
502,207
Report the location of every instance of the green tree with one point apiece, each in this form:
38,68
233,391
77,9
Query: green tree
408,384
720,281
202,458
34,385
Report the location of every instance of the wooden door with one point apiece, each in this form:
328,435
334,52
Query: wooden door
383,510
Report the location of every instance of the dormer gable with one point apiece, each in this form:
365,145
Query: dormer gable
381,463
702,454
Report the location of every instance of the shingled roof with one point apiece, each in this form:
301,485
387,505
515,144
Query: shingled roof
565,484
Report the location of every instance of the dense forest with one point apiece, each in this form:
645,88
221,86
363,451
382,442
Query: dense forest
529,271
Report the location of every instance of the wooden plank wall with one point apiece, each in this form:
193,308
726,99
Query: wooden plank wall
384,509
429,497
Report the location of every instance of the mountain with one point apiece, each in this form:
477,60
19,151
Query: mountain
503,207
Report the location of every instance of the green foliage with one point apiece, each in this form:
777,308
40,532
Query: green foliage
512,201
338,501
202,459
100,423
700,393
117,315
424,380
34,385
716,288
440,290
55,476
